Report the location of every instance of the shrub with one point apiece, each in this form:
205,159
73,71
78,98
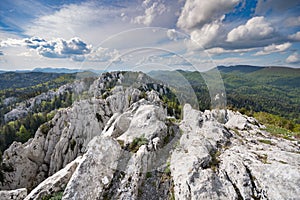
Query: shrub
72,144
137,143
45,128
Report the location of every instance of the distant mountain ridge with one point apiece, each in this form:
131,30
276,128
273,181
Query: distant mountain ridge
54,70
251,68
240,68
57,70
222,68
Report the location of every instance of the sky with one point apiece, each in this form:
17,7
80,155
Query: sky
149,34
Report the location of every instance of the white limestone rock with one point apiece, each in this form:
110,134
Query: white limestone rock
95,171
213,162
55,183
18,194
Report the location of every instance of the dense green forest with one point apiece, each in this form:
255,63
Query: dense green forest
274,90
251,90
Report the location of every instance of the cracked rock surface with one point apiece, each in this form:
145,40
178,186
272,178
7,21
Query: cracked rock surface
232,161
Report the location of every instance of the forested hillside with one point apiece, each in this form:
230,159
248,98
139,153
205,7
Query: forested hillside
274,91
28,94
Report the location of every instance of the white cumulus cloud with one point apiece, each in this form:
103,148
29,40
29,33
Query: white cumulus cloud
203,20
196,13
60,48
56,48
293,58
206,34
257,28
220,50
273,48
156,9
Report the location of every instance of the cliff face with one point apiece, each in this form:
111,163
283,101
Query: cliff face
122,144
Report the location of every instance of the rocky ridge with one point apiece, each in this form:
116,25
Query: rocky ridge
23,108
123,144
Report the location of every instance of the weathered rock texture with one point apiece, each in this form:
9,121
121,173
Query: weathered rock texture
55,183
18,194
233,159
23,108
127,147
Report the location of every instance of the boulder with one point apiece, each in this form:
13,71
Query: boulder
55,183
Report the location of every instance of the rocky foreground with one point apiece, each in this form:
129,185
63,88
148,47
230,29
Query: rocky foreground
123,144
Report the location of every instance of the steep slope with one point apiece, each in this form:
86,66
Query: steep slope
124,144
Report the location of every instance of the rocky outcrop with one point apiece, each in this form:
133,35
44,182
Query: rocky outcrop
55,183
66,136
18,194
56,143
129,147
97,167
233,160
23,108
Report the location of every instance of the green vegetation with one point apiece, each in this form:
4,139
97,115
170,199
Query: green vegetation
55,196
269,94
168,97
137,143
273,90
148,174
23,129
22,86
72,144
19,87
278,126
214,162
167,170
263,158
266,142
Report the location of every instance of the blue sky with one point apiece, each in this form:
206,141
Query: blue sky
134,34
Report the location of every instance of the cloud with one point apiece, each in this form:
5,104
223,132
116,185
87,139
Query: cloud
220,50
57,48
14,14
273,48
34,42
206,34
293,58
104,55
257,28
172,34
276,6
292,21
203,20
295,36
90,20
234,61
60,48
195,14
155,10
